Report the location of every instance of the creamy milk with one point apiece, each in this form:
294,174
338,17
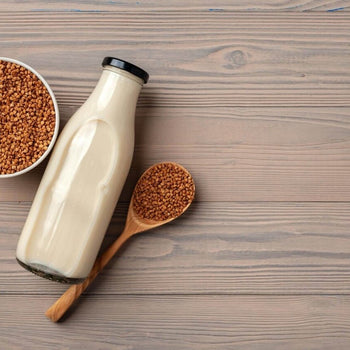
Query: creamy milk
83,180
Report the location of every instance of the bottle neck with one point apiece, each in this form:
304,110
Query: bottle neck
115,90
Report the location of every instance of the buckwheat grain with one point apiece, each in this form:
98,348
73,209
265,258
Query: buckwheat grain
27,118
163,192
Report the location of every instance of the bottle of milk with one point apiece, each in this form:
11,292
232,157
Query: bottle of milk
83,179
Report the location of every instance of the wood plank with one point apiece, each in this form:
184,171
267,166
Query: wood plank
215,248
199,5
237,154
194,58
180,322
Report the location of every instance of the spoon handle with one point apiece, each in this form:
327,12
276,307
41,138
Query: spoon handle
59,308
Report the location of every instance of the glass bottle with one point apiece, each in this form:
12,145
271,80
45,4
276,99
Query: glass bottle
83,179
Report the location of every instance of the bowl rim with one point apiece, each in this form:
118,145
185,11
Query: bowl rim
57,118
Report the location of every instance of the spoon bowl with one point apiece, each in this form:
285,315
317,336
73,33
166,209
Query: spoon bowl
135,223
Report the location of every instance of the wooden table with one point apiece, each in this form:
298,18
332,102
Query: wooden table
253,98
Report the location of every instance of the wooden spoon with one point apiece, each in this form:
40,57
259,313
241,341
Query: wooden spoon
134,224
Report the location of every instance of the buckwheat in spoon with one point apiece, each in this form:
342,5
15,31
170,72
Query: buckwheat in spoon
162,194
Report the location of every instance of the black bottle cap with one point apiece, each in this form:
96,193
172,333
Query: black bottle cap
129,67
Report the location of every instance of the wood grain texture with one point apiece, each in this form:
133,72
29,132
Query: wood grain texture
194,59
238,154
96,6
253,98
181,322
215,248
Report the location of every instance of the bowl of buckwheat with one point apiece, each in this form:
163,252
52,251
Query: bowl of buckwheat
29,118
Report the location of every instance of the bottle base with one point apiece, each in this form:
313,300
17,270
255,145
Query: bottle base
49,275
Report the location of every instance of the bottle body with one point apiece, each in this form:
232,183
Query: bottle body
82,182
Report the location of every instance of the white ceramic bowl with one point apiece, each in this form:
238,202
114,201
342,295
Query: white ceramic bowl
57,116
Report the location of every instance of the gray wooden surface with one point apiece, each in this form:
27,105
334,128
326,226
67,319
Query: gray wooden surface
254,99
